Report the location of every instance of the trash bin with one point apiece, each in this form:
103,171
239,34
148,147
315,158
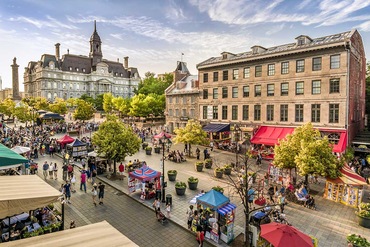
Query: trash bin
169,199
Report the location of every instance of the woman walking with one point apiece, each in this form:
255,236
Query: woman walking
55,171
200,236
94,193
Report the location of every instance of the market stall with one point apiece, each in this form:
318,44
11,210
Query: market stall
346,189
66,139
77,149
143,179
224,215
9,158
92,235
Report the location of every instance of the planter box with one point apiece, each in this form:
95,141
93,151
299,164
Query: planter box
148,152
218,174
180,191
172,177
157,150
227,171
193,185
364,222
199,168
208,165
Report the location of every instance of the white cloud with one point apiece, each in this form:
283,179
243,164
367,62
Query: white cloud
116,36
365,26
175,13
275,29
50,22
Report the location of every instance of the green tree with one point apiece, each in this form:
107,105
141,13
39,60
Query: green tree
108,105
122,105
115,140
84,110
59,106
139,108
98,102
192,134
150,84
7,107
88,98
23,114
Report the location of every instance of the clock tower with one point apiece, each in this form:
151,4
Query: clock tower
95,48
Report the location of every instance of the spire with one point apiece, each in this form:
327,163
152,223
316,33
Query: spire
94,26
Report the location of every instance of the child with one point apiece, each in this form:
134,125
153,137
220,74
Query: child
168,210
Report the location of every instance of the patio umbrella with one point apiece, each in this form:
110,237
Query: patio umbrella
160,135
21,150
9,157
280,235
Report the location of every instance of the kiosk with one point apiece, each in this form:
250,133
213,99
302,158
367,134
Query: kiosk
78,148
140,179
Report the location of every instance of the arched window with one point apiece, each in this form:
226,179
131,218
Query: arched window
49,96
49,85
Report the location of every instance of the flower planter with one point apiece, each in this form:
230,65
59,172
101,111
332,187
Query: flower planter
218,174
199,168
193,185
227,171
157,150
172,177
208,164
180,191
148,152
364,222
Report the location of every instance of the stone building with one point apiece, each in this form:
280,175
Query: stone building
71,76
272,90
181,98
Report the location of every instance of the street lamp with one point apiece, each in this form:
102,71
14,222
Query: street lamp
236,138
165,141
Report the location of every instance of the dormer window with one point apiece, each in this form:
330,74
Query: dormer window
83,70
70,68
77,69
224,56
301,41
258,49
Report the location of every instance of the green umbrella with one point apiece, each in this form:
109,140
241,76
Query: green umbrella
9,157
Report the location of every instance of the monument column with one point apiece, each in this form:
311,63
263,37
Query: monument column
15,67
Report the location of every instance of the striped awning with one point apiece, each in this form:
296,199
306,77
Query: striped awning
226,209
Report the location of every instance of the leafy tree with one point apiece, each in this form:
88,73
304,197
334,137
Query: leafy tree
192,134
139,108
307,151
41,103
59,106
7,107
24,114
115,140
98,102
84,110
150,84
122,105
108,105
88,98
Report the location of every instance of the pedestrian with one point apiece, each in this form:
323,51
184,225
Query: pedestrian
101,193
67,191
251,194
121,169
94,193
73,183
200,236
55,171
70,170
83,181
65,171
27,167
168,210
93,176
45,168
205,153
211,145
190,213
281,201
185,148
51,170
197,151
157,204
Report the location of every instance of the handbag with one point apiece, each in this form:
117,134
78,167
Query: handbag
260,201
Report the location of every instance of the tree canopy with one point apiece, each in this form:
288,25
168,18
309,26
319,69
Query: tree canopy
307,151
151,84
84,110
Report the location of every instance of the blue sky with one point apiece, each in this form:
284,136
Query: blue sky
155,33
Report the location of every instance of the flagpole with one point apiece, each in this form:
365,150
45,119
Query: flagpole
182,54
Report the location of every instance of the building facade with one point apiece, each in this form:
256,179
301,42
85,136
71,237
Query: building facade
71,76
181,98
320,80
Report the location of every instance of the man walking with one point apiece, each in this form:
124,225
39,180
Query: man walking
205,153
65,171
83,181
67,191
45,168
101,188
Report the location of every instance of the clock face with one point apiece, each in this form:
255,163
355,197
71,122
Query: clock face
102,71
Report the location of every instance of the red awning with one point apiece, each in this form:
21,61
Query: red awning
270,135
348,177
341,146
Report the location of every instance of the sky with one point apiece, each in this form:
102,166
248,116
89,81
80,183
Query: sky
155,33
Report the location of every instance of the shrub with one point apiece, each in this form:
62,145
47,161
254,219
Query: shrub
193,180
357,240
218,188
148,148
180,185
172,172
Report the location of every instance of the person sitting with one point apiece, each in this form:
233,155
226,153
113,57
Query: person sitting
300,197
311,203
303,191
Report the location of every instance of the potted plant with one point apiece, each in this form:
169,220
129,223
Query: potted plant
357,240
227,169
208,163
148,150
363,215
193,183
219,189
180,188
144,145
199,166
218,172
172,175
157,149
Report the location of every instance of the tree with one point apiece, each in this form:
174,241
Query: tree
192,134
115,140
7,107
307,151
84,110
122,105
139,107
150,84
98,102
24,114
88,98
59,106
108,105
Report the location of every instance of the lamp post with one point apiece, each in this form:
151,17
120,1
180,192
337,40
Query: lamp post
236,138
164,141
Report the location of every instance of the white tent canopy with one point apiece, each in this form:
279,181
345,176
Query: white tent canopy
93,235
23,193
20,149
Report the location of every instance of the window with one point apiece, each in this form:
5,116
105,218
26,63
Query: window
215,112
284,90
205,77
234,112
245,112
333,113
247,72
299,113
316,87
224,92
271,69
300,66
64,85
215,93
246,91
257,113
205,112
258,72
225,75
257,90
270,113
284,68
316,63
315,113
224,112
70,68
235,74
192,99
283,113
215,76
177,99
205,93
192,113
334,86
184,112
299,88
184,99
235,92
170,99
77,69
334,61
83,70
270,89
176,112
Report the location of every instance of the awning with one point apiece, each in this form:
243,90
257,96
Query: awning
226,209
9,157
216,127
93,235
270,135
348,177
341,146
23,193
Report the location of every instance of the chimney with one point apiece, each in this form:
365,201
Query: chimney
57,51
117,60
126,62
